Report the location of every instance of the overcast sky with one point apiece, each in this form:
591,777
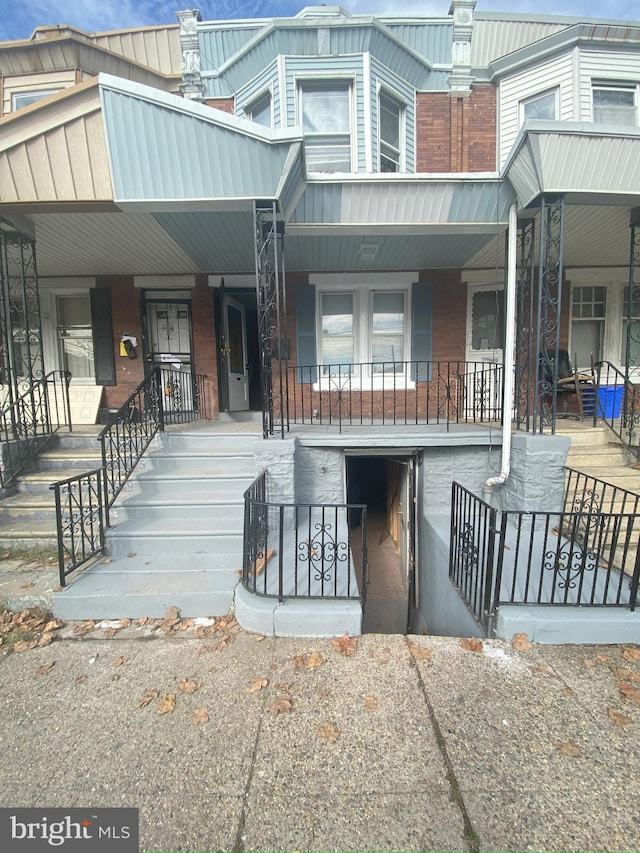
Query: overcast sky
19,17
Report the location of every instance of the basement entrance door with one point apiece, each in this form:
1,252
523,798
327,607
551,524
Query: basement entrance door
386,484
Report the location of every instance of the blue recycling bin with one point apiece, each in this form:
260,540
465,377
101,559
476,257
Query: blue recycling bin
610,401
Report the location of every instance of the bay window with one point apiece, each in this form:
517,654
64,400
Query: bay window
615,104
325,115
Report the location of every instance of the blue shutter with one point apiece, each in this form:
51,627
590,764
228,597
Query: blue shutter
103,357
306,332
421,331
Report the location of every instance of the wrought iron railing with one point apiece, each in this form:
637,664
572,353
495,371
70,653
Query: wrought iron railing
618,404
393,393
30,420
129,433
80,518
584,556
303,550
185,396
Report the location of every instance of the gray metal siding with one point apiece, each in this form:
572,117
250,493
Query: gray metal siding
162,153
495,38
320,203
216,242
431,40
267,79
217,46
401,62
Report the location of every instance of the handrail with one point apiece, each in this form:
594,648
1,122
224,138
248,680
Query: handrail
80,520
303,550
618,404
30,420
128,434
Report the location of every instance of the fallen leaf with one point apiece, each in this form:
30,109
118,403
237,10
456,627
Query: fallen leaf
124,623
618,718
84,628
257,684
119,661
115,677
631,654
131,554
106,560
188,686
167,703
45,640
471,644
543,667
147,698
281,705
52,625
602,658
273,666
521,642
27,585
629,692
622,673
569,747
80,679
313,661
260,638
200,715
144,620
45,668
418,652
370,703
110,632
346,645
325,694
567,692
24,646
383,661
329,732
299,661
588,662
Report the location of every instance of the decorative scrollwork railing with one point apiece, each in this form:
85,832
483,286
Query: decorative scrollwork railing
303,550
30,420
80,516
618,403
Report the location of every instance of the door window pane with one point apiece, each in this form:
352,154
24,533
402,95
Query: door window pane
487,320
75,336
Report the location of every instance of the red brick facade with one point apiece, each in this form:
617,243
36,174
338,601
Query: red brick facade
227,105
455,133
205,352
125,318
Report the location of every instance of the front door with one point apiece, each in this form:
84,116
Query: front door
484,346
169,347
235,352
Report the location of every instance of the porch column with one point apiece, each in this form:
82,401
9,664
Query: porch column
526,360
20,329
547,324
632,344
272,317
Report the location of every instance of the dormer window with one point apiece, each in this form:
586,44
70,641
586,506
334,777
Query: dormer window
615,104
391,117
325,115
260,110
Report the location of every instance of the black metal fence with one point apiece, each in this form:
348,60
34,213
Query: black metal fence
80,518
618,404
185,396
30,420
303,550
398,392
584,556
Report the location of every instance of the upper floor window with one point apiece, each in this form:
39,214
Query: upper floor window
325,113
391,114
260,110
541,107
615,104
23,99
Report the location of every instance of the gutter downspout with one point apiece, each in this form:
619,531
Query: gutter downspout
509,358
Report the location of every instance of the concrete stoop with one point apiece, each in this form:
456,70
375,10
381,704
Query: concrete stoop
568,625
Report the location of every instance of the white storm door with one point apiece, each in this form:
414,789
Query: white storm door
236,355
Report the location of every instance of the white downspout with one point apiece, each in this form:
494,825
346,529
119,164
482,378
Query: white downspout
509,356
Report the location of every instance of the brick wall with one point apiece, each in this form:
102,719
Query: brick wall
224,104
205,353
125,317
456,134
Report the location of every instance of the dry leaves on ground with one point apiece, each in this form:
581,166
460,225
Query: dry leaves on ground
80,679
29,629
567,692
84,628
370,703
310,661
568,747
119,661
281,705
200,715
346,645
147,698
629,692
589,662
167,703
631,653
623,673
418,652
618,718
471,644
257,684
521,642
45,668
328,732
187,685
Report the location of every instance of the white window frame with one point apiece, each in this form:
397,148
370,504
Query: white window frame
348,81
538,97
250,106
362,289
384,92
36,96
616,86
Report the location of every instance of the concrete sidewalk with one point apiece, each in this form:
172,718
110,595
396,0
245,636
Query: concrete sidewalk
496,749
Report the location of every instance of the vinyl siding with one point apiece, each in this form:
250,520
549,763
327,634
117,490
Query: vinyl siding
24,83
556,73
268,79
395,86
601,65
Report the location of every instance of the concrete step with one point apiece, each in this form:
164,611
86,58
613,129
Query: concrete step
186,536
76,460
152,483
18,533
129,588
39,481
24,506
584,436
200,465
218,512
209,442
610,455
